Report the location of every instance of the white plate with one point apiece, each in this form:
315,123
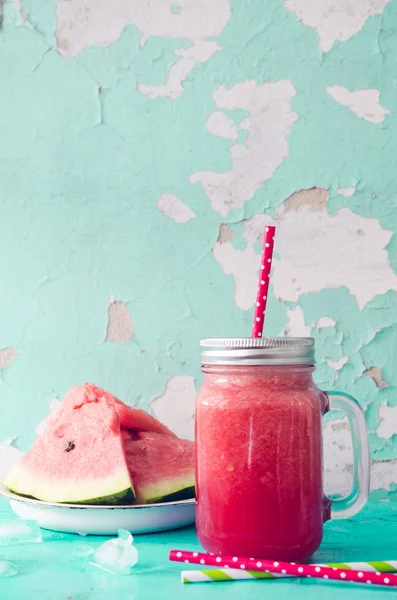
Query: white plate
103,519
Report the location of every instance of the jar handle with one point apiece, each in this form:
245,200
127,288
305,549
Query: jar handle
347,506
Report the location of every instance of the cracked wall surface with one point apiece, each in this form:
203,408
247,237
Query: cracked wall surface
143,147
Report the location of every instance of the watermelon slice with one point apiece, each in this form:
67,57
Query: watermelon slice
80,458
134,419
161,468
96,449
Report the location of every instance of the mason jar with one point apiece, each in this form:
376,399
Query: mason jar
259,465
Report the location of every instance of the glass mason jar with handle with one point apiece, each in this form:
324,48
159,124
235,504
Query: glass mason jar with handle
259,467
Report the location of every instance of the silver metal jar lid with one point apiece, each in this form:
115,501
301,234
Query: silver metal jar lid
258,351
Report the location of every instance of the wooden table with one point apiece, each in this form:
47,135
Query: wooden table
50,571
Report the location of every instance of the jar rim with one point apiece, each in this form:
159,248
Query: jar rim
258,351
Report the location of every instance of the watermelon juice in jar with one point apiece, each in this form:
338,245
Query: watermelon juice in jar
259,472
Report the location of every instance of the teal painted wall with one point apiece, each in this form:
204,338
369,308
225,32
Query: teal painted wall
142,148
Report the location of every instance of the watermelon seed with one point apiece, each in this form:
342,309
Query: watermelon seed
69,446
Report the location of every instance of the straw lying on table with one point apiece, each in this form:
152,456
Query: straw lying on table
209,575
285,568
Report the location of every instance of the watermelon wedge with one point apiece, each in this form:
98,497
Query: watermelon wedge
161,468
96,449
80,458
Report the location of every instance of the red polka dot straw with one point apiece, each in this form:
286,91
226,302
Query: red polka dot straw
286,568
263,285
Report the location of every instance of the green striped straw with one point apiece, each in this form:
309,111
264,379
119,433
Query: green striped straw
208,575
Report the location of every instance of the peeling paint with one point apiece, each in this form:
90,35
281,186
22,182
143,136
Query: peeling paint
253,228
376,374
314,199
225,234
347,192
337,456
337,364
119,329
322,241
296,323
363,103
200,52
175,407
338,462
81,25
170,206
7,356
335,20
387,422
325,322
269,122
243,265
221,125
383,475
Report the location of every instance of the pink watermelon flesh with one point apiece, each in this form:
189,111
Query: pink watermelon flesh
80,458
134,419
161,468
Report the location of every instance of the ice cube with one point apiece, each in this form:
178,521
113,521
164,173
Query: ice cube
7,569
118,555
124,538
17,531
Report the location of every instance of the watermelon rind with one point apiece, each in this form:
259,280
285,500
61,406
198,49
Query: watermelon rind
168,490
115,489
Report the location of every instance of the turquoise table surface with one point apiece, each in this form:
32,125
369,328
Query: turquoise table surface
50,571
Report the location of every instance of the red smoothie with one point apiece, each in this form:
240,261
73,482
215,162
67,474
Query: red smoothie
259,462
